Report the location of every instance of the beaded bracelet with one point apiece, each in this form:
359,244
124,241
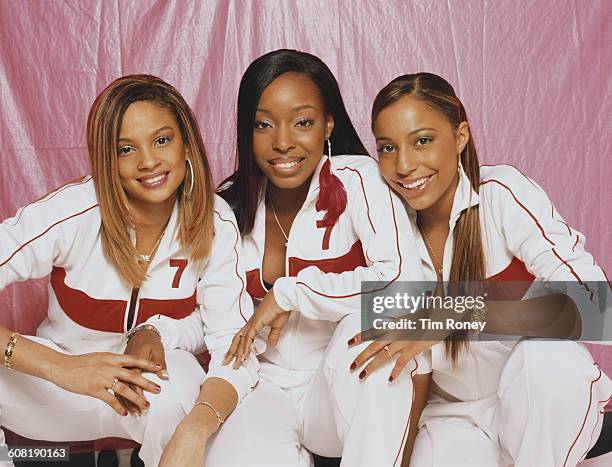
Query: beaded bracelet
143,327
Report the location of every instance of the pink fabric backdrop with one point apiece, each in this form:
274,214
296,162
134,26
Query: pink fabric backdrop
533,75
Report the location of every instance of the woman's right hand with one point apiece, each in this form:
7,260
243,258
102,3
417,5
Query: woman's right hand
94,374
268,313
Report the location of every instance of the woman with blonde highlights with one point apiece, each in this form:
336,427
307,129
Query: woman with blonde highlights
492,403
195,212
144,271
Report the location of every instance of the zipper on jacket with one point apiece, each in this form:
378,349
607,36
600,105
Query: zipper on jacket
296,324
132,308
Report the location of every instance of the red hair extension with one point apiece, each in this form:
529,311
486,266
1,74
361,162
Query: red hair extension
332,195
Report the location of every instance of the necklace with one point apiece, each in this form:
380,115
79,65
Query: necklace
434,258
278,223
147,258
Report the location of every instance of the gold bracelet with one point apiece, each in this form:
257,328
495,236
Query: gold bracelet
143,327
217,414
8,352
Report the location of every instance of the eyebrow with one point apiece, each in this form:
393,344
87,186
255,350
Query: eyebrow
159,130
409,134
295,109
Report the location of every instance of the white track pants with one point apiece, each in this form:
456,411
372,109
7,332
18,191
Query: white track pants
547,413
37,409
336,415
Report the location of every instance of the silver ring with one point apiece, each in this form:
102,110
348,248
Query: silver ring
386,349
111,390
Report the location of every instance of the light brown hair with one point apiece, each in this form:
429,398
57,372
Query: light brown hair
468,266
195,216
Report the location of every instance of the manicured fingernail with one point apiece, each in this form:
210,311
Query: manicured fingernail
353,366
147,404
158,388
157,366
363,374
165,374
351,341
125,414
390,379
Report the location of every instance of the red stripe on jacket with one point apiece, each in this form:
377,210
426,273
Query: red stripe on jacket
399,269
89,312
347,262
173,308
401,450
363,191
109,315
585,418
563,261
23,245
254,286
236,263
510,284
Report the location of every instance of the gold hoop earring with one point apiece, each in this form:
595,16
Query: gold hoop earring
191,178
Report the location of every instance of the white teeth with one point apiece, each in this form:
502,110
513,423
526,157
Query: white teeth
285,165
154,180
417,183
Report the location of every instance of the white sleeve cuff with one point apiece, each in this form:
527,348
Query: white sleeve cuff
186,333
285,293
166,330
243,379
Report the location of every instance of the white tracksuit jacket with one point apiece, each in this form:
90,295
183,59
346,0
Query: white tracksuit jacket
325,267
322,406
195,304
531,403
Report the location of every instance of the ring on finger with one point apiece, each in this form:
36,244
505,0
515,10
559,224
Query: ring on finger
386,349
111,390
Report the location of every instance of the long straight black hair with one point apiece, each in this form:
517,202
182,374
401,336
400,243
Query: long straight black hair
241,189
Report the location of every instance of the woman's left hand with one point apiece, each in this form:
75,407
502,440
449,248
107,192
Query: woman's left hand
187,447
268,313
403,344
380,352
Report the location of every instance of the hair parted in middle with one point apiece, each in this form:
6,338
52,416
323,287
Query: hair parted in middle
468,265
241,190
195,216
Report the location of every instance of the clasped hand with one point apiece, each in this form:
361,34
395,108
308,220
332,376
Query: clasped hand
113,378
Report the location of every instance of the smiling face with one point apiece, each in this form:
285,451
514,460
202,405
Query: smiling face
418,152
151,156
290,129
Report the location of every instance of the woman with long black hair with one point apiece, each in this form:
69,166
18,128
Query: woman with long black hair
314,214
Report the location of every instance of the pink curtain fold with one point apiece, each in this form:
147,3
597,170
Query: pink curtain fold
534,76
